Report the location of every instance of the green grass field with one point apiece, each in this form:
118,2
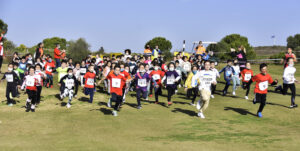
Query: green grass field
230,123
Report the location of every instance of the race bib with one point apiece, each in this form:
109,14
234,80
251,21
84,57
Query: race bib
49,69
69,83
22,66
170,80
142,82
30,82
90,81
247,77
9,78
82,70
186,67
263,85
156,76
207,81
116,83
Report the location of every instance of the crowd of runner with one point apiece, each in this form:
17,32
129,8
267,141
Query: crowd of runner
147,75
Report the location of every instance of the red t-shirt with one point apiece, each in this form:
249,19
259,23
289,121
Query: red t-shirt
157,76
89,80
116,83
126,75
246,75
49,67
56,53
262,83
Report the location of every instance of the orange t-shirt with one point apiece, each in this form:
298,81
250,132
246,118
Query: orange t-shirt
116,83
157,76
56,53
246,75
262,82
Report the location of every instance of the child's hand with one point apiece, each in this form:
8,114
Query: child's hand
59,84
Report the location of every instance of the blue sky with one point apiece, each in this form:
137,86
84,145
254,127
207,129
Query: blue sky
120,24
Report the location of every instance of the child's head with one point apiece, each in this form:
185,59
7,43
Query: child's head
212,64
10,67
31,70
91,68
147,67
63,64
176,63
248,65
229,62
142,68
38,67
126,68
207,65
23,59
122,67
156,66
171,66
263,68
70,71
194,69
38,60
83,62
290,61
16,65
117,70
77,65
49,59
235,62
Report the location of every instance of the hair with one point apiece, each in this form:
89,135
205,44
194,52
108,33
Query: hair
69,69
229,60
64,61
127,50
31,67
262,66
10,64
195,66
206,61
288,59
141,64
170,64
116,66
38,65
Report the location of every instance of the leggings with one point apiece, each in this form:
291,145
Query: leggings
247,87
116,98
285,89
140,93
171,91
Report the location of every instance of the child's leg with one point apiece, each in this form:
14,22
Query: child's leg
156,93
195,93
38,95
262,98
234,83
138,96
247,89
51,80
293,90
70,93
76,87
8,91
91,91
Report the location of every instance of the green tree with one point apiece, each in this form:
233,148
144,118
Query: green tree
9,45
78,49
22,48
3,27
51,42
163,44
223,48
294,43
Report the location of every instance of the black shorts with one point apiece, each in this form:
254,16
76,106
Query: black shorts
260,98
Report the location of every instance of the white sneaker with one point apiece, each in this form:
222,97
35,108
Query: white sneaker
68,105
115,113
32,106
212,96
192,104
246,97
201,115
176,91
233,93
61,97
179,85
109,103
198,106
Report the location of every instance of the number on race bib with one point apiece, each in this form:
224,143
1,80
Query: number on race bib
142,82
30,82
263,85
116,83
49,68
90,81
82,70
156,76
69,83
247,77
170,80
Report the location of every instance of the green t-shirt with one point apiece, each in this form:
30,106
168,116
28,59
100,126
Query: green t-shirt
61,72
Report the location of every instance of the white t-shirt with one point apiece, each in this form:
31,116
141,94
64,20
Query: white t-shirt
289,75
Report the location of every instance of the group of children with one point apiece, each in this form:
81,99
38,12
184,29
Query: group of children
141,74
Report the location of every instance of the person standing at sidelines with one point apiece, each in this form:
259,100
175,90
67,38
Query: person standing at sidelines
57,55
288,55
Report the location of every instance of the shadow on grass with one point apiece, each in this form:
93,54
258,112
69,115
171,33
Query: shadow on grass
105,111
188,112
270,103
83,99
239,110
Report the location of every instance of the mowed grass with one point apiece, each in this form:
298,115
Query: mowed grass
230,123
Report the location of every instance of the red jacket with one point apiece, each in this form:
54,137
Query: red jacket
49,67
157,76
90,79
